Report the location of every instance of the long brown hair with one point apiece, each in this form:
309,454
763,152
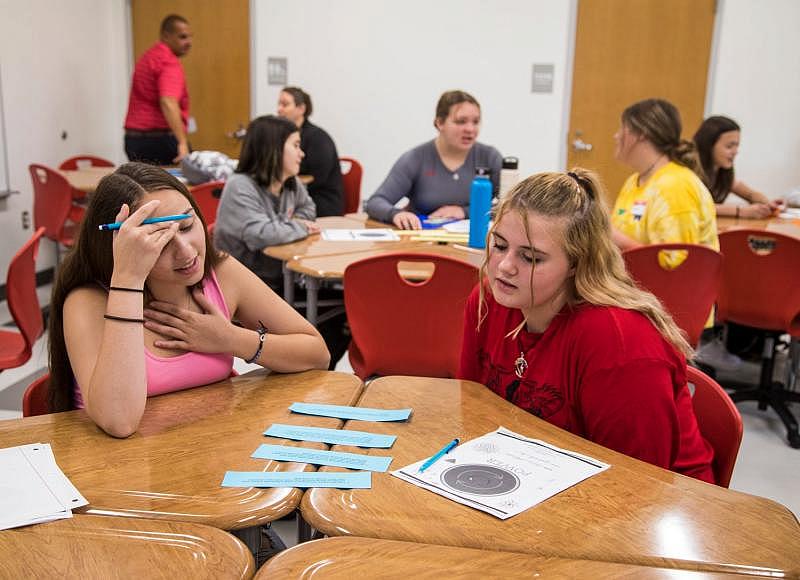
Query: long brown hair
719,182
600,276
659,121
91,260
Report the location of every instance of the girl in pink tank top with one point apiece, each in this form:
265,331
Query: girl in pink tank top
145,308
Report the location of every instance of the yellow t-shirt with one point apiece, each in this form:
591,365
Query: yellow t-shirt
673,206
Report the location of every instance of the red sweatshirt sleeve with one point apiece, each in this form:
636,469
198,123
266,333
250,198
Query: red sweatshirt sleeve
636,417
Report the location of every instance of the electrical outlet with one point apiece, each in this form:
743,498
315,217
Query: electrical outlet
26,220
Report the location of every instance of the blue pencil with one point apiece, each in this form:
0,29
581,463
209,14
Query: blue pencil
438,455
155,220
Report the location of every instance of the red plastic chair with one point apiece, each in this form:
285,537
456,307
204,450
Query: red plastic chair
34,401
761,289
207,197
719,422
79,161
78,209
687,291
52,202
406,327
351,180
23,303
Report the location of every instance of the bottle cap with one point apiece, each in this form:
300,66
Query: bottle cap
510,163
484,171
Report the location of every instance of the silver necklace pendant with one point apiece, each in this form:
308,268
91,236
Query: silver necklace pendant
520,365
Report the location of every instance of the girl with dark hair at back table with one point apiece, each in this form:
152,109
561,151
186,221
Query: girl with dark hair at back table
321,159
559,329
436,176
264,204
147,309
717,141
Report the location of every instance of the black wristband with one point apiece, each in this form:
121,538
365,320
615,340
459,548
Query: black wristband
262,334
123,289
123,318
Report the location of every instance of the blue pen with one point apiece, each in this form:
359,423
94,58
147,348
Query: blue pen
443,451
155,220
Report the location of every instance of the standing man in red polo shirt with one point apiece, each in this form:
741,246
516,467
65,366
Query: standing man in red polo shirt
158,109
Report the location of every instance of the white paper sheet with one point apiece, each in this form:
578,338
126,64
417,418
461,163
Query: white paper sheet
32,487
502,473
364,235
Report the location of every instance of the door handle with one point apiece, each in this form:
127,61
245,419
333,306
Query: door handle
238,134
580,145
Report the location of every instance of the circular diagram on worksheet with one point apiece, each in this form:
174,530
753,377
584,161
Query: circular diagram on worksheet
480,479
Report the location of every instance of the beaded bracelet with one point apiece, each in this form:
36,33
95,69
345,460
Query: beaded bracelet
262,334
123,318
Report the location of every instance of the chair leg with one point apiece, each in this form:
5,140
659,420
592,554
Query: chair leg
767,370
773,394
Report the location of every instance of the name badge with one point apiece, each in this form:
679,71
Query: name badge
638,210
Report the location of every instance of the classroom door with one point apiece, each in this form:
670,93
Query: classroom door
628,50
217,68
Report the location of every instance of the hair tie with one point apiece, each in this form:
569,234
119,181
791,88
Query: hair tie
584,185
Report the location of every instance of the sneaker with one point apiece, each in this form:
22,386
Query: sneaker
714,354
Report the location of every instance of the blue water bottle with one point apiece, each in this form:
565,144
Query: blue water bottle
480,203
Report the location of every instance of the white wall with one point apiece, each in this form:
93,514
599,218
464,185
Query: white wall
756,81
375,70
65,68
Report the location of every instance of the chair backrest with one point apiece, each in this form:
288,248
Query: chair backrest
23,303
34,401
207,197
760,280
687,290
52,200
351,180
80,161
404,327
719,422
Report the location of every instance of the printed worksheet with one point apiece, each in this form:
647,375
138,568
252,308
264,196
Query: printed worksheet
502,473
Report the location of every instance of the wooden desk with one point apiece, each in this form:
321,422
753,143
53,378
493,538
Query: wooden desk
173,466
632,513
86,179
789,227
314,245
332,266
346,558
106,547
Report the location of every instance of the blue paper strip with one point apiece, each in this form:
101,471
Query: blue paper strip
337,479
332,436
317,457
356,413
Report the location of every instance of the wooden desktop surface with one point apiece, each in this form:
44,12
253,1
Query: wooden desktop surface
790,227
632,513
314,245
111,547
347,557
86,179
333,266
173,466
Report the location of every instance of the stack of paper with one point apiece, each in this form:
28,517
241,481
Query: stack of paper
33,489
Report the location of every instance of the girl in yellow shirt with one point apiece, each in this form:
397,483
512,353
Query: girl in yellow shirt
664,201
